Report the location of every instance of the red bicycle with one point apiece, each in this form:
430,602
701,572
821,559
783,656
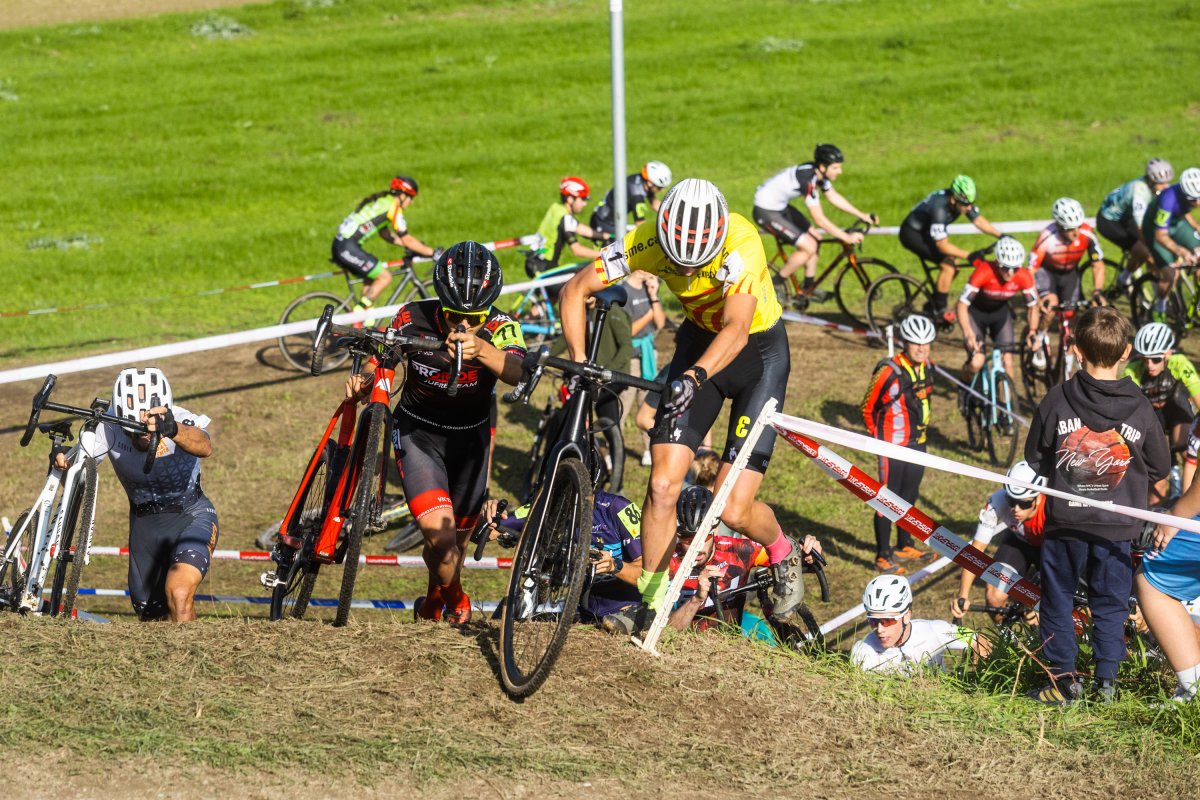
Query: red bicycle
340,495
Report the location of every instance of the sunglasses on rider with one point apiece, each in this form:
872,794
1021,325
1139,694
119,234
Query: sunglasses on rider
883,622
1154,359
472,317
1024,505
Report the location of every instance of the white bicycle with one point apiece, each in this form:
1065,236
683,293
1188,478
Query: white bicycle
57,529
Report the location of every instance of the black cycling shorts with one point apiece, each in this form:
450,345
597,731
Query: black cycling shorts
920,243
441,468
352,258
756,374
995,325
1063,284
1016,552
1124,234
787,226
159,541
1177,410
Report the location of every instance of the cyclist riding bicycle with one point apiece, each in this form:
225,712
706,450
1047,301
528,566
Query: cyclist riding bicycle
983,308
442,440
1168,379
902,645
380,214
561,229
172,524
774,213
924,234
1058,256
1019,516
896,409
1123,210
730,346
641,198
1171,235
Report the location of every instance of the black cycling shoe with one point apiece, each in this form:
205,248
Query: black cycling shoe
629,621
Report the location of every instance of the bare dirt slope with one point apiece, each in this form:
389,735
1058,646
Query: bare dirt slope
31,13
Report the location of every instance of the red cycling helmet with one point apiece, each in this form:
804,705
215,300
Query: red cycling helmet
403,183
573,186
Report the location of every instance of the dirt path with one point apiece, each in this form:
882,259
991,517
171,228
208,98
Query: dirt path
29,13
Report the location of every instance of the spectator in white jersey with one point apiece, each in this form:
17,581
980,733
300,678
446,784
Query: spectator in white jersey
172,524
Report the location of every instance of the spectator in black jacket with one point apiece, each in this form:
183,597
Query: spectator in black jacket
1096,436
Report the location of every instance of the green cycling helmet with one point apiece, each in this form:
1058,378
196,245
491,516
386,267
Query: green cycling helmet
963,189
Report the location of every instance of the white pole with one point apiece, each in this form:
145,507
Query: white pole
620,208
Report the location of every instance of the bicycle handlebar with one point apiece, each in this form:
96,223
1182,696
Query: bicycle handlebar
535,363
761,577
452,384
366,341
479,536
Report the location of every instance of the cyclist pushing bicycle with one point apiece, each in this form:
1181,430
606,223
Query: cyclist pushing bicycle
172,524
441,423
380,214
983,309
924,234
730,346
774,213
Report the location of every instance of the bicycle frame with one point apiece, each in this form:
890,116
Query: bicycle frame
847,252
537,295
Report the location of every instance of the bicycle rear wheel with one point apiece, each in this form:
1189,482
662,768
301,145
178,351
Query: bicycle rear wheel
1087,283
850,286
974,419
1002,428
608,452
547,431
75,532
1036,381
365,507
82,537
891,299
804,636
14,574
296,568
297,348
546,581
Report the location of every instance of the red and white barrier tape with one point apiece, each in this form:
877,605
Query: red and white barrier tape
371,561
849,615
499,244
262,600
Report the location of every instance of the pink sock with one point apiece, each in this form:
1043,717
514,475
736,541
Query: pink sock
780,549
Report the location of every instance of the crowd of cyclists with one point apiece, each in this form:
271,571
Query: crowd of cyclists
731,347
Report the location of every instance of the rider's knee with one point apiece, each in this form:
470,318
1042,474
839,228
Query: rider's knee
664,489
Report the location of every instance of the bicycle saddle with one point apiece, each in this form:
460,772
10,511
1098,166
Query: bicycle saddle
611,296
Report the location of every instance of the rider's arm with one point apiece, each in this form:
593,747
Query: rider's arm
1185,372
582,251
879,382
416,245
573,307
987,227
725,346
824,223
946,248
838,201
505,365
964,323
189,438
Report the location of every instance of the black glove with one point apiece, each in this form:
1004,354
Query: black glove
976,255
683,393
167,426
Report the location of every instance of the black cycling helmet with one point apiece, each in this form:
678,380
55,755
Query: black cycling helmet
690,509
827,154
467,278
405,184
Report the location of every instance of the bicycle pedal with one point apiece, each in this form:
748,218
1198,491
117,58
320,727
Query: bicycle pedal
269,580
293,542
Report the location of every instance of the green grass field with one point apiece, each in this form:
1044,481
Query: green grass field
148,160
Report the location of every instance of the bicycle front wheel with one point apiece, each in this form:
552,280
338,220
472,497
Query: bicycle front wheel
804,635
297,348
82,537
546,581
365,508
973,414
1003,431
852,283
296,570
891,299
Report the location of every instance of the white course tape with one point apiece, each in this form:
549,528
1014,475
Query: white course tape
877,447
1015,226
978,396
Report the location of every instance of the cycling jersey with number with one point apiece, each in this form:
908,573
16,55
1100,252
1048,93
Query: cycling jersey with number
802,180
1158,390
998,515
740,268
1054,253
986,292
1169,207
1129,200
424,397
555,234
361,225
175,476
926,646
934,213
896,407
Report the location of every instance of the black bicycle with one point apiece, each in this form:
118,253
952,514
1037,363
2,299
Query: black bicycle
805,637
551,561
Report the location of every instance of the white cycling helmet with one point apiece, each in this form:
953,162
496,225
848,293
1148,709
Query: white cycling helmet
657,174
887,594
1190,182
1023,472
693,222
1153,339
917,329
1010,253
1067,212
138,390
1159,171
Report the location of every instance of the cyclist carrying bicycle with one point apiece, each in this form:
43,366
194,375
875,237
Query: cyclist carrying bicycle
774,213
1171,235
1168,379
441,440
641,198
896,409
1058,258
172,524
924,234
1019,516
730,346
1123,210
902,645
380,214
983,309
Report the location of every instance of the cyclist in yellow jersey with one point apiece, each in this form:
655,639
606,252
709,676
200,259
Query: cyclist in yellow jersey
730,346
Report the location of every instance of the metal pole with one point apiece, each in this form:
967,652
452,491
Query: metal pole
620,212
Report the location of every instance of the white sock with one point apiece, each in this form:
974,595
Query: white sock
1188,679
